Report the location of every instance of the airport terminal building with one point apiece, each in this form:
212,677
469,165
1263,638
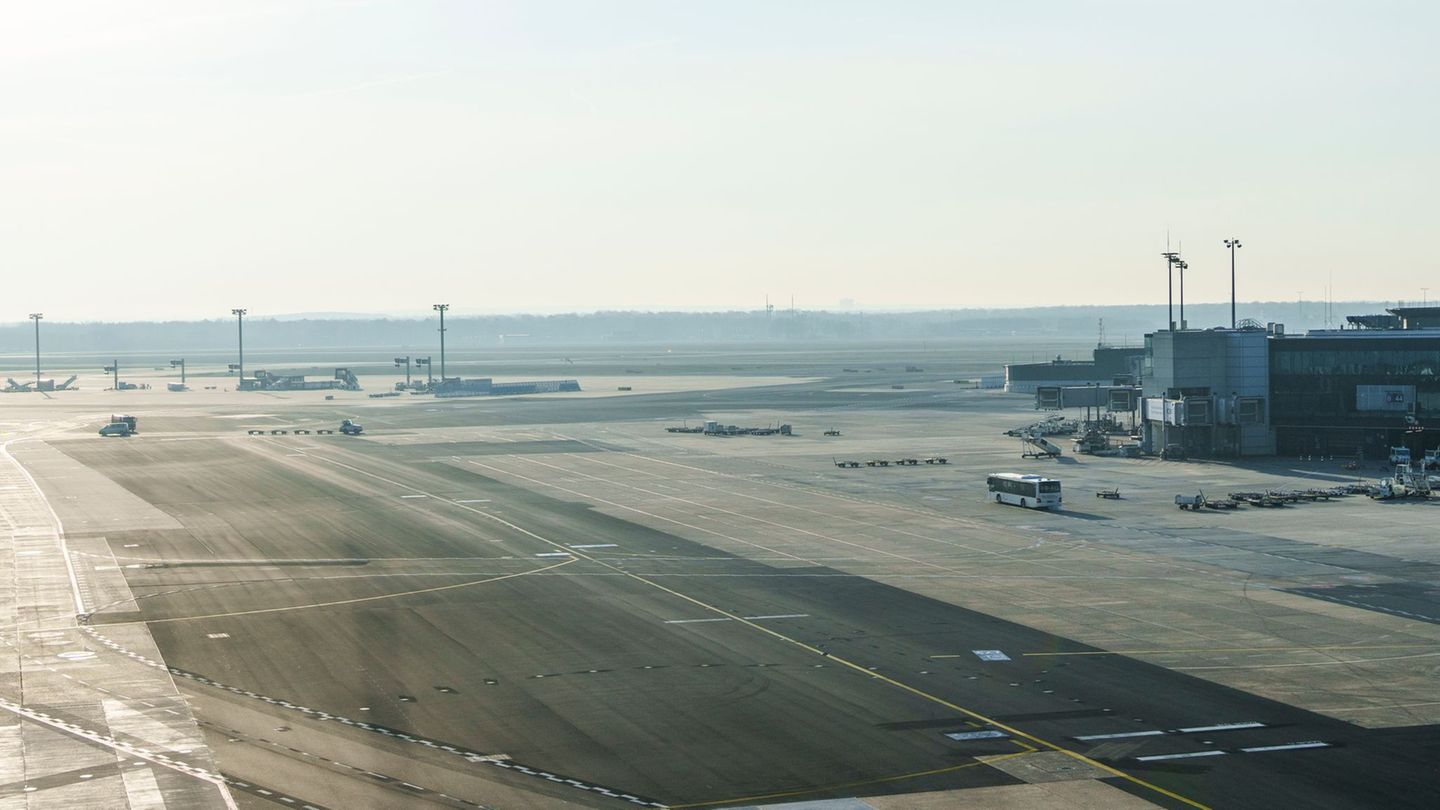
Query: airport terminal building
1258,391
1109,365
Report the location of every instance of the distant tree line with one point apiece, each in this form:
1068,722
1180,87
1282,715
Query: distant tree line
1122,324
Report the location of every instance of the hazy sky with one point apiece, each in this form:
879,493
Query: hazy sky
176,159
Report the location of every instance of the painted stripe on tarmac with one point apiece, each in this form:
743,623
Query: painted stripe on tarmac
1187,730
1088,737
746,618
1190,755
1287,747
1221,727
693,621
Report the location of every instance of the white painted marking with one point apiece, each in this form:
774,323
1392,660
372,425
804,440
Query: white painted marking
990,734
1221,727
991,655
1118,736
132,545
1182,756
747,618
593,545
475,500
1287,747
76,655
217,635
26,553
414,496
554,554
693,621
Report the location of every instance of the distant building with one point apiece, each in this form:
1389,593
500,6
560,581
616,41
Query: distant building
263,380
1257,391
486,387
1109,365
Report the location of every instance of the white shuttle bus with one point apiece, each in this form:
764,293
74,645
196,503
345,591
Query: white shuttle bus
1031,491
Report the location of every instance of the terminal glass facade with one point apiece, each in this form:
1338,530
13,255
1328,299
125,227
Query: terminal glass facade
1324,387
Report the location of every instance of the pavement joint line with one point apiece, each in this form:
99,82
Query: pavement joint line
1318,647
1002,555
859,668
473,757
340,602
843,786
976,524
115,745
639,511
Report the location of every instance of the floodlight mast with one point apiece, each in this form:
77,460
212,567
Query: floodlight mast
114,368
1182,265
440,308
406,361
1233,244
1171,258
181,364
36,316
240,324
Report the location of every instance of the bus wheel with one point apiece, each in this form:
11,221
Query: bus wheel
997,498
1022,502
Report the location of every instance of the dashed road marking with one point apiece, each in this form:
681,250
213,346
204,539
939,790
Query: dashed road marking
1287,746
1189,755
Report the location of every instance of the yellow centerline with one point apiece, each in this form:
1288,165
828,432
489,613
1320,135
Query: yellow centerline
1014,732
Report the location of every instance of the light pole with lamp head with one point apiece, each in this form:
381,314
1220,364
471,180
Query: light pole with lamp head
36,316
440,308
240,325
1233,244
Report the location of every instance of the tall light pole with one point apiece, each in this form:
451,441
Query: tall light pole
1233,244
406,361
1170,258
36,316
1182,265
114,368
440,308
181,364
240,324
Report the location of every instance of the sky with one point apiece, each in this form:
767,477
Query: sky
172,160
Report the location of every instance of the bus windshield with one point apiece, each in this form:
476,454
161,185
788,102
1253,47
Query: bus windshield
1049,486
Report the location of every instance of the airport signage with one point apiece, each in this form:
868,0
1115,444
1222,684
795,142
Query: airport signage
1384,397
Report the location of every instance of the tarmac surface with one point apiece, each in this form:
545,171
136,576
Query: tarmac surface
550,601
